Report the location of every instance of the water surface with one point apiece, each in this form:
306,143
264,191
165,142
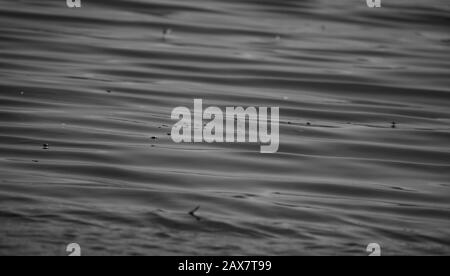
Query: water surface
97,83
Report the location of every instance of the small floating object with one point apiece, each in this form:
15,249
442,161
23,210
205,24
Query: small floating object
108,91
192,213
169,134
22,93
153,138
308,123
194,210
394,125
35,161
166,32
45,146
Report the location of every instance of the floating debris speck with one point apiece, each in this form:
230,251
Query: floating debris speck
166,33
192,213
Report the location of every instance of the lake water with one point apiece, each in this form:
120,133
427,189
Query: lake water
95,84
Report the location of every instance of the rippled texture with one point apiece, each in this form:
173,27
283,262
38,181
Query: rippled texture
96,83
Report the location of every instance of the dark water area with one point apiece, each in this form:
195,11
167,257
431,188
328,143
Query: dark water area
95,84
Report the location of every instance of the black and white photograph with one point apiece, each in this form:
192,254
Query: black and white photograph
224,128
